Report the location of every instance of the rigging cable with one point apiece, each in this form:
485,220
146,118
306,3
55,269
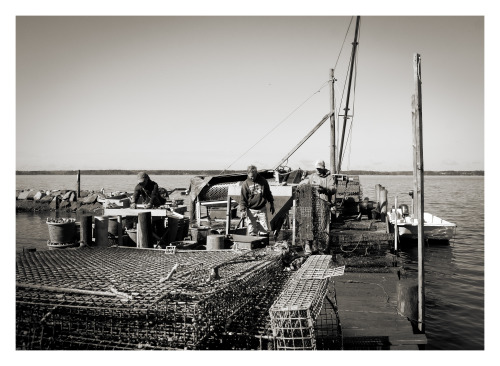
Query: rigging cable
342,47
321,87
283,120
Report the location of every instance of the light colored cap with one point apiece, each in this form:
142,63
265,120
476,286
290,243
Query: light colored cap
141,177
320,164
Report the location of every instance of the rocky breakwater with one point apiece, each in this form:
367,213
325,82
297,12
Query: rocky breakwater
58,200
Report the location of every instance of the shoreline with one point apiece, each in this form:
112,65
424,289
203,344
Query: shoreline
212,172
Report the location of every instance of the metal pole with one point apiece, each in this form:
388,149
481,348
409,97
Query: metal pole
353,57
320,123
419,168
333,147
228,215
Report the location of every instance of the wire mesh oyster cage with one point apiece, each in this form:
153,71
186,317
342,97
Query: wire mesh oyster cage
305,315
313,217
129,298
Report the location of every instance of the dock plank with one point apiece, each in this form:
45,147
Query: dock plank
367,305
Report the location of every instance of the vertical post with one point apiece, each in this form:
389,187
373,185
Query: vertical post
101,230
414,199
412,208
419,169
378,188
228,215
198,211
78,185
144,237
333,148
294,212
120,230
346,109
383,204
86,230
396,230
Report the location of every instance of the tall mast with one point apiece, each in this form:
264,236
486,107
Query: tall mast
333,147
346,109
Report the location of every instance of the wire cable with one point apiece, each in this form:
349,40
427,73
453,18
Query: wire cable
271,130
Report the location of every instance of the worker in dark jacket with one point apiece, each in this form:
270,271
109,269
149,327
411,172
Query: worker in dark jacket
255,194
148,190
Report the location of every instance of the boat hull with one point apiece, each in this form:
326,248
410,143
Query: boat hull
431,232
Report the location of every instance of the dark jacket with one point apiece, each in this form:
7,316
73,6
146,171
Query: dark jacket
149,194
255,194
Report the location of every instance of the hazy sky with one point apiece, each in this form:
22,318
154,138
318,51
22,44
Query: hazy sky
186,92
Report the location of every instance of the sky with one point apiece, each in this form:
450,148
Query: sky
223,92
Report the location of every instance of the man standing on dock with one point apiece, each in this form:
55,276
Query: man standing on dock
255,194
323,180
326,186
148,190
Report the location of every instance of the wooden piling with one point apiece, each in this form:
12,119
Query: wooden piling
86,230
418,169
407,291
78,185
383,204
144,227
378,188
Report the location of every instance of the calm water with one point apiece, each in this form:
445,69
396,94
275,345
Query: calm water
454,274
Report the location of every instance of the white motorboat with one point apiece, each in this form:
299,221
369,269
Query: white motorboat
435,228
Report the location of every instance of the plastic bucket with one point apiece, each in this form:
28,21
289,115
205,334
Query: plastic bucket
64,232
199,234
215,242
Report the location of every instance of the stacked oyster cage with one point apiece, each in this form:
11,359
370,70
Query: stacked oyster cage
127,298
349,194
313,218
305,315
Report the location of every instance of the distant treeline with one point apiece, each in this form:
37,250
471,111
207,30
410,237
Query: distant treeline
217,172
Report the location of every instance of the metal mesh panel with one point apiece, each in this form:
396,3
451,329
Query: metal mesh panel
117,298
217,192
295,313
313,217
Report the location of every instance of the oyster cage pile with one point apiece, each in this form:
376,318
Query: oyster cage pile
305,314
126,298
313,217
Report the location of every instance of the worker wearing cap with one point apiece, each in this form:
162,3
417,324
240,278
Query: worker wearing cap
255,194
148,190
323,180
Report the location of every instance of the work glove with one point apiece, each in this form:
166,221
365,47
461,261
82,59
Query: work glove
133,205
243,214
272,209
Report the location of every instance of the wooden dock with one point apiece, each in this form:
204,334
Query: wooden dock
367,304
